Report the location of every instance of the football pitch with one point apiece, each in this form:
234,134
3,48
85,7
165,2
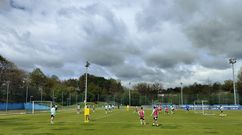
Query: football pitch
121,122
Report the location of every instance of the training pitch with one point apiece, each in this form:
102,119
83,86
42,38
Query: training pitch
121,122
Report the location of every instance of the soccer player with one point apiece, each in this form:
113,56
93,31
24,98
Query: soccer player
56,107
141,113
78,108
52,114
86,114
187,107
160,108
106,109
155,114
127,108
167,110
172,109
109,108
221,108
136,109
93,108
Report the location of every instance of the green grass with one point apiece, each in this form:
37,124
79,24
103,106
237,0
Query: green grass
121,122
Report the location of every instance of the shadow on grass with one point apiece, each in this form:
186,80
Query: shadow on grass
13,121
89,129
211,132
43,134
26,128
62,128
168,126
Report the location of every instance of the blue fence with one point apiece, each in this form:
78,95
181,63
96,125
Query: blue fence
212,107
11,106
22,106
29,106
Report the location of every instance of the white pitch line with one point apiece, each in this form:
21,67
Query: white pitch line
106,115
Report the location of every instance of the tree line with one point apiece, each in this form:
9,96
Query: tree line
28,86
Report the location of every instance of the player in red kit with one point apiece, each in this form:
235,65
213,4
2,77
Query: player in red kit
141,113
167,110
155,114
160,108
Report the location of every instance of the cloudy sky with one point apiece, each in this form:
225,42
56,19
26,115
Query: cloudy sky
165,41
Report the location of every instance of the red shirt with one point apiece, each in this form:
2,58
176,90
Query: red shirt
141,113
155,112
167,109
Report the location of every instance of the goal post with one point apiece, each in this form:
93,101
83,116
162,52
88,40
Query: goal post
197,106
206,108
41,106
202,107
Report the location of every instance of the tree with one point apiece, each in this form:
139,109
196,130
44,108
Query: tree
10,72
228,86
239,81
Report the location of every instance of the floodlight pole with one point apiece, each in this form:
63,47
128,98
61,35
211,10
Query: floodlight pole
129,94
31,98
181,94
27,91
232,61
53,96
41,94
85,101
62,96
7,95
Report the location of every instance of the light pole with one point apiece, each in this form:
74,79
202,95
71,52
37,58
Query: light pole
232,61
77,91
53,96
85,101
7,83
181,94
27,90
41,93
62,96
129,94
31,98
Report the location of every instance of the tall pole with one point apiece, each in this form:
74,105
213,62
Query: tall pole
85,101
76,97
31,98
234,85
41,90
62,96
27,91
53,96
129,94
7,96
181,94
232,61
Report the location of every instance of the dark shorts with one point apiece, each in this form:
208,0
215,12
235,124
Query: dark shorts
155,118
52,116
142,118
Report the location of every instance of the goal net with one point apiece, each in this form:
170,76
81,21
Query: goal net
197,106
202,107
41,106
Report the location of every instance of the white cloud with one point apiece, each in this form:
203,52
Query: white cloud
147,40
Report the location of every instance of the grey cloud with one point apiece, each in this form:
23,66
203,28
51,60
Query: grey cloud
213,27
134,72
215,62
170,59
160,43
4,6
